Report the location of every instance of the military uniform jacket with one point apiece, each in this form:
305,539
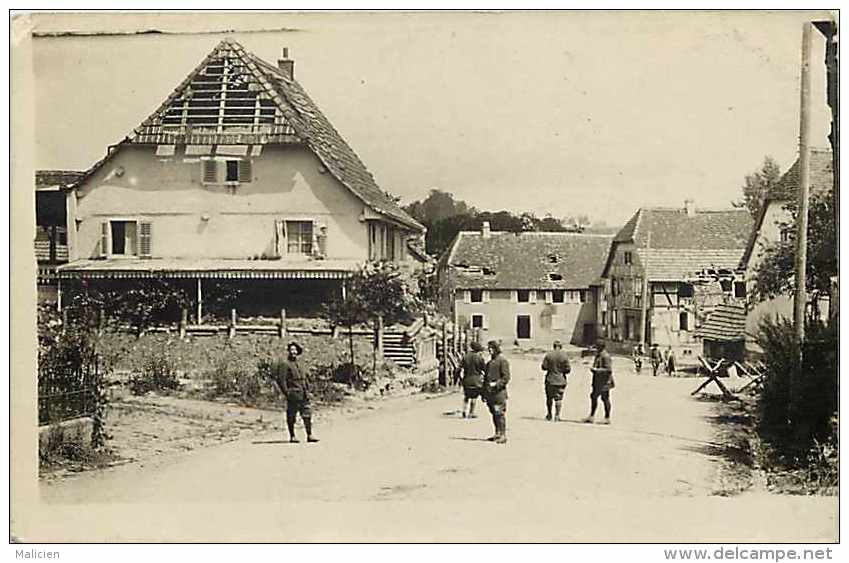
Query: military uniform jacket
473,369
556,366
496,379
291,378
602,372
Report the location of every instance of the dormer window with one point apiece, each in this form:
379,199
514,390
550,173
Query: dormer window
553,259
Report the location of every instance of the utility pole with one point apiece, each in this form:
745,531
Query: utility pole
645,300
800,297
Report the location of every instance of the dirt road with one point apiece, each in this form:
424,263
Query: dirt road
413,470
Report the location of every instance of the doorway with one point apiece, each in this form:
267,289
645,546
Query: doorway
523,326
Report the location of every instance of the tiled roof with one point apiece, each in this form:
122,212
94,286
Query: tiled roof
727,322
821,177
233,97
682,245
528,260
684,263
56,178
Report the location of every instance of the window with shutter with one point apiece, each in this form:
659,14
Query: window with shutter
104,239
245,171
210,171
145,239
279,238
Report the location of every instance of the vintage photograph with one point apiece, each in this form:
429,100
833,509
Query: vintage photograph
484,277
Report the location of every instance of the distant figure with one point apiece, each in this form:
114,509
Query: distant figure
602,371
474,366
295,384
670,362
656,358
495,391
555,364
638,357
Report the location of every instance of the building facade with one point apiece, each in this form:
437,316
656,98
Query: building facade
667,270
527,288
237,178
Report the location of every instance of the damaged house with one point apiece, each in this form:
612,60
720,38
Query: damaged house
668,269
237,179
525,288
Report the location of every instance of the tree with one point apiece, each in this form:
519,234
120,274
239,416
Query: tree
776,271
757,185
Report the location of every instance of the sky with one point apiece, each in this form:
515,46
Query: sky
566,113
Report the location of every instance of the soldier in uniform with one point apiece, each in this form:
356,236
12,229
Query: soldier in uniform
555,364
495,391
295,384
473,365
656,358
602,371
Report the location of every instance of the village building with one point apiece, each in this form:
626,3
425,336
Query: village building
668,269
237,179
528,288
773,225
51,232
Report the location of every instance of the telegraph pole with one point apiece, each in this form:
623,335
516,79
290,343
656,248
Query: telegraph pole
800,297
645,288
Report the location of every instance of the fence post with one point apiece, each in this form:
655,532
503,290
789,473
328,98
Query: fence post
282,332
232,331
380,335
184,321
443,373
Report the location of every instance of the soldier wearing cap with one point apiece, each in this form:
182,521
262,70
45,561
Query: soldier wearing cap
473,365
555,364
495,391
295,384
602,383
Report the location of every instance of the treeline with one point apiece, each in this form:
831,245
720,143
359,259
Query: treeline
445,216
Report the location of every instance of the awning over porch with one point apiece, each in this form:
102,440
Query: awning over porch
207,268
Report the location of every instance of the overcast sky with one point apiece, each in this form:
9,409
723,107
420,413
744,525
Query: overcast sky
562,113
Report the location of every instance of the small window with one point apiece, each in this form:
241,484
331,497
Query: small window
232,170
299,237
582,295
477,321
726,285
124,238
523,295
627,257
555,277
683,321
740,290
476,295
685,290
604,318
785,235
558,295
553,259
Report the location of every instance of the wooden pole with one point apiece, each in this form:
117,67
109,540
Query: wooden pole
282,332
443,374
380,335
645,300
800,296
200,302
232,331
184,320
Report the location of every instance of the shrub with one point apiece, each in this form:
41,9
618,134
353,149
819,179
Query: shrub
799,398
157,374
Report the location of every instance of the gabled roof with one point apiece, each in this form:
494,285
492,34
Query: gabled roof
682,245
53,179
527,260
726,323
233,97
821,170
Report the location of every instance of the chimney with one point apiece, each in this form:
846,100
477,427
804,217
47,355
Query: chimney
485,229
285,64
690,207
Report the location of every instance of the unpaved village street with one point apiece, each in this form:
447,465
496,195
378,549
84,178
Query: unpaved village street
413,470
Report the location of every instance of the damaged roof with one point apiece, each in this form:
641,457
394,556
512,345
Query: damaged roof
683,244
46,179
235,98
530,260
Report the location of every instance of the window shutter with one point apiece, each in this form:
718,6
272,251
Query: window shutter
532,296
314,245
279,238
514,296
486,296
145,239
104,239
210,171
485,322
467,296
547,296
245,171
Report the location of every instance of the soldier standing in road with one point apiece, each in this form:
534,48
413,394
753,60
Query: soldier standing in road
473,365
555,364
294,383
495,391
602,371
656,358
